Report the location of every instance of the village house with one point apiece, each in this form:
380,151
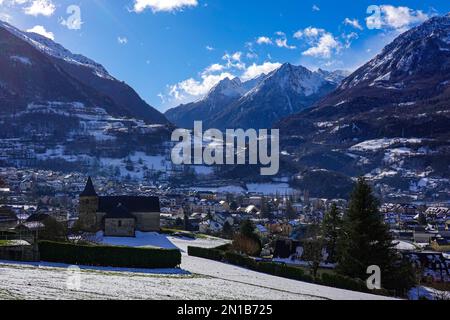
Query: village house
118,216
207,195
8,219
207,206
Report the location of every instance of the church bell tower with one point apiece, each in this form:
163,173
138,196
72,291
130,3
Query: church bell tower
88,207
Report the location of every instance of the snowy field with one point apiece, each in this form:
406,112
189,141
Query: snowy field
259,188
198,279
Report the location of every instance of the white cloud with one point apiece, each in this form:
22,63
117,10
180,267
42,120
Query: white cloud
209,48
40,7
322,43
41,30
122,40
388,16
163,5
348,38
324,48
264,40
192,89
353,22
234,60
315,8
255,70
216,67
310,32
282,41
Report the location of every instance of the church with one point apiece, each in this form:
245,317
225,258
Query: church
117,216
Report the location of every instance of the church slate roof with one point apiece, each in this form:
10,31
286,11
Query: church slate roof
119,212
38,217
132,203
89,190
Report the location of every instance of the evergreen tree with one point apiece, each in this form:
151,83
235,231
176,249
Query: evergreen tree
209,215
330,229
187,214
365,239
247,229
290,211
247,241
265,209
233,205
227,230
422,219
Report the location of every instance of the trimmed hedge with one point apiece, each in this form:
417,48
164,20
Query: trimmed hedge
343,282
224,247
109,256
281,270
241,260
284,271
211,254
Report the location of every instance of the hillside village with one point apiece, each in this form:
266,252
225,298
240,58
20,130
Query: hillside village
87,180
281,221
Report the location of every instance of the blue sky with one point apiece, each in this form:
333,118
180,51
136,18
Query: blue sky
174,51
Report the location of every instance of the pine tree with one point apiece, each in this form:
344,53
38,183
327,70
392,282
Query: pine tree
247,241
247,229
290,211
365,239
330,230
227,230
265,209
187,214
233,205
422,219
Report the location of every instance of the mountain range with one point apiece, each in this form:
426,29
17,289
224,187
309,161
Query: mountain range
403,91
389,120
258,103
37,70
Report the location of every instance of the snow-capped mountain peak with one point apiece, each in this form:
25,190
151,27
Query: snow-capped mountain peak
299,79
56,50
36,70
423,49
226,87
259,102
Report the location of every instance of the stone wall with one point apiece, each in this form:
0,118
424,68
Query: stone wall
88,213
120,227
147,221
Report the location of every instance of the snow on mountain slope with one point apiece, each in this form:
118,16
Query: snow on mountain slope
35,69
393,112
56,50
259,102
420,52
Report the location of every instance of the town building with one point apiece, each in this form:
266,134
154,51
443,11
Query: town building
118,216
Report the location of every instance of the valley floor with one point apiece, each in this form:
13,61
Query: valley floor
198,279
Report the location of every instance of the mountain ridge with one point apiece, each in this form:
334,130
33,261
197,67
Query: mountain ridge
387,121
259,102
37,69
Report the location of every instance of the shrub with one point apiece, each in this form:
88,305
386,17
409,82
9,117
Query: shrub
212,254
343,282
247,245
108,256
284,271
224,247
240,260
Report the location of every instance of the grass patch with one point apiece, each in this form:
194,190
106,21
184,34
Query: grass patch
4,242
